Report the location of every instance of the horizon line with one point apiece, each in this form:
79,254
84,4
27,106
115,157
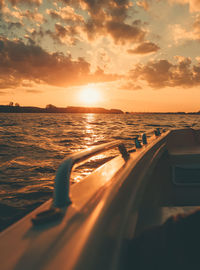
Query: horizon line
93,107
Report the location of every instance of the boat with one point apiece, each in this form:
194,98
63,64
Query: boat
86,225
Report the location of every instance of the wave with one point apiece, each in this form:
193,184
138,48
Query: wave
66,141
99,142
37,194
44,170
33,147
152,125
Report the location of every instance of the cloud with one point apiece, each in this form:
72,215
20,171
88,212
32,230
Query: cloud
114,7
94,28
144,48
20,62
101,18
64,34
2,93
27,83
103,57
198,59
144,4
10,27
162,73
14,25
66,14
61,34
34,36
123,33
29,2
21,16
34,91
100,76
129,85
196,27
34,16
194,5
108,18
1,4
104,18
179,33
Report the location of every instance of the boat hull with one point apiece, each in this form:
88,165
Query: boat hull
105,212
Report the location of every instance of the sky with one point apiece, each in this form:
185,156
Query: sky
138,56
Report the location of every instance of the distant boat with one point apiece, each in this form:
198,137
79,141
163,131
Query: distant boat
86,227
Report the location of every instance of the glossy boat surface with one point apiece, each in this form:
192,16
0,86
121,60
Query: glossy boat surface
116,202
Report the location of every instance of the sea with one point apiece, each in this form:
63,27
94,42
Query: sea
33,145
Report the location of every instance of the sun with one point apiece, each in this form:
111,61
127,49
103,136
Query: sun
90,94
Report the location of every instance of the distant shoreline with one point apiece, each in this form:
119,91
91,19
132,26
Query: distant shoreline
53,109
74,109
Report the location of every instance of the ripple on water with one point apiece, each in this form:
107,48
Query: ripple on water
33,146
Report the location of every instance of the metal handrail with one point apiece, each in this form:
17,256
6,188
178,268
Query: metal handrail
143,137
157,132
62,180
153,131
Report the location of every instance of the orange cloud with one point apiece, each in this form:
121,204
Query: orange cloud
20,62
17,16
2,93
144,48
162,73
179,33
29,2
64,34
33,91
123,33
66,14
104,18
144,4
34,16
194,5
1,4
196,27
129,85
108,18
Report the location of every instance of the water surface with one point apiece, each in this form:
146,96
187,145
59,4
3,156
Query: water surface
33,145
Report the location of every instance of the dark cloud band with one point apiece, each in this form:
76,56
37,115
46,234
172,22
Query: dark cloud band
162,73
19,62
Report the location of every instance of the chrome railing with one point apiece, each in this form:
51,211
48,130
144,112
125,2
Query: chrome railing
61,196
62,180
143,137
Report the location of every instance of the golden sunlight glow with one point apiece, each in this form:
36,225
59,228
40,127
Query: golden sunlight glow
90,94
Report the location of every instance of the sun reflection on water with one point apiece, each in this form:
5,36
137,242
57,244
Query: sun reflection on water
89,131
91,138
